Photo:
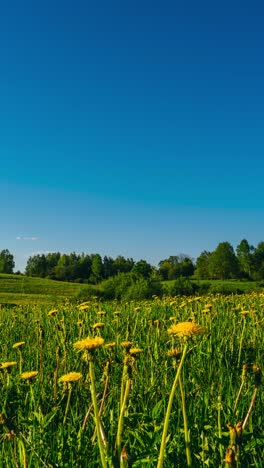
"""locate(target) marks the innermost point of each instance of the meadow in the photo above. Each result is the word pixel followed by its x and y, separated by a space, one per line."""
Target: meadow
pixel 172 382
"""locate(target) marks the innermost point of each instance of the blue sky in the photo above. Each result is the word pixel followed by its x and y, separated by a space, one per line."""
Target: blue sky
pixel 132 128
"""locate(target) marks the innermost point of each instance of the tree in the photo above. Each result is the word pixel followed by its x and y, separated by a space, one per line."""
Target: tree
pixel 142 268
pixel 223 263
pixel 245 258
pixel 202 265
pixel 258 262
pixel 36 266
pixel 7 263
pixel 96 269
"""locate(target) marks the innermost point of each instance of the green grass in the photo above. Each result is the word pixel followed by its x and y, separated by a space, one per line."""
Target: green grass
pixel 245 286
pixel 19 289
pixel 38 428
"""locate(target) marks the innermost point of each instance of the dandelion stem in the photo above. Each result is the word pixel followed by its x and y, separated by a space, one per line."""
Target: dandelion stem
pixel 121 416
pixel 185 422
pixel 102 449
pixel 67 404
pixel 167 416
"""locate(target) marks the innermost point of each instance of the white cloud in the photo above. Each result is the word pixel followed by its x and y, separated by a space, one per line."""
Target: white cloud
pixel 27 238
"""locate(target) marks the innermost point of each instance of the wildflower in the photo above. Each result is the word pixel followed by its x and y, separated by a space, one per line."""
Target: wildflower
pixel 80 322
pixel 89 344
pixel 17 345
pixel 126 344
pixel 101 312
pixel 185 329
pixel 52 312
pixel 230 456
pixel 70 377
pixel 175 352
pixel 136 309
pixel 28 375
pixel 83 307
pixel 109 345
pixel 117 312
pixel 244 312
pixel 98 325
pixel 6 365
pixel 134 351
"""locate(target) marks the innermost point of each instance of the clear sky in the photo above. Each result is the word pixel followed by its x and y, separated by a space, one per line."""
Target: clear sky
pixel 131 128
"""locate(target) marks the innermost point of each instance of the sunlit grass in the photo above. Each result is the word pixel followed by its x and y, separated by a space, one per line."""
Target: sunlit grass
pixel 107 403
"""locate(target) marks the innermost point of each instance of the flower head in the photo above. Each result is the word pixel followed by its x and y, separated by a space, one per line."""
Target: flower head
pixel 28 375
pixel 175 352
pixel 89 344
pixel 70 377
pixel 17 345
pixel 52 312
pixel 126 344
pixel 186 329
pixel 6 365
pixel 134 351
pixel 98 325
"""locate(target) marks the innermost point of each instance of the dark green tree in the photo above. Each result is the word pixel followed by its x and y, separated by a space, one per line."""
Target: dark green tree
pixel 7 263
pixel 244 253
pixel 142 268
pixel 36 266
pixel 202 265
pixel 223 263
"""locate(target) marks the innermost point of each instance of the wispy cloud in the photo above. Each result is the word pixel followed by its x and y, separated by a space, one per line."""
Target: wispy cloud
pixel 27 238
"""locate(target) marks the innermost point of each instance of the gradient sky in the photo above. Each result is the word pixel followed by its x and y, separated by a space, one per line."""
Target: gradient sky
pixel 132 128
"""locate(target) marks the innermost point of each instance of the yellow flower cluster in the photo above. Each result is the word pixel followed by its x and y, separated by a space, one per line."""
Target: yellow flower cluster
pixel 89 344
pixel 186 329
pixel 70 377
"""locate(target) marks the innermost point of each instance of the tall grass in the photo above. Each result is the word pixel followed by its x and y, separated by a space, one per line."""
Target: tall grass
pixel 44 423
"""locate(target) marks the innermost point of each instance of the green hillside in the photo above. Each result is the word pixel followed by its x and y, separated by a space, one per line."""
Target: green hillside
pixel 19 289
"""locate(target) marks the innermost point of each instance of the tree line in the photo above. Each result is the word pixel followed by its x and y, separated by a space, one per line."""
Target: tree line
pixel 225 262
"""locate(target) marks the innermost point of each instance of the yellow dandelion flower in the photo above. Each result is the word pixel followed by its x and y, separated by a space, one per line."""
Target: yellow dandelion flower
pixel 175 352
pixel 172 319
pixel 244 312
pixel 110 345
pixel 80 322
pixel 136 309
pixel 117 312
pixel 134 351
pixel 70 377
pixel 28 375
pixel 83 307
pixel 98 325
pixel 53 312
pixel 6 365
pixel 83 304
pixel 89 344
pixel 126 344
pixel 186 329
pixel 17 345
pixel 101 312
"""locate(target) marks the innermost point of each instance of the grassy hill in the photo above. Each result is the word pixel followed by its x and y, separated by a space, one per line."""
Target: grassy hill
pixel 19 289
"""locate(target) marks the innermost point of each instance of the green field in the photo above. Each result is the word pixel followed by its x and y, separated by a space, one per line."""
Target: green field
pixel 212 379
pixel 19 289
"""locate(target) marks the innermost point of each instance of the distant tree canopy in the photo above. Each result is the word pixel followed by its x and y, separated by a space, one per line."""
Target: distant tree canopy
pixel 7 263
pixel 246 261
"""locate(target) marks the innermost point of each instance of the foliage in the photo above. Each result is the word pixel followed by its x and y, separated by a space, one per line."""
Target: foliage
pixel 7 263
pixel 45 422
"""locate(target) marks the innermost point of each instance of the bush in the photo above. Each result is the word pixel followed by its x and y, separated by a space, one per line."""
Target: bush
pixel 183 286
pixel 87 293
pixel 225 289
pixel 130 286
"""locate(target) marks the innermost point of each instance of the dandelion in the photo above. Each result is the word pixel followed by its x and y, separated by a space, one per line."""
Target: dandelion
pixel 19 344
pixel 117 312
pixel 83 307
pixel 136 309
pixel 101 312
pixel 89 344
pixel 186 329
pixel 28 375
pixel 175 352
pixel 7 365
pixel 98 325
pixel 52 312
pixel 135 351
pixel 70 377
pixel 126 344
pixel 110 345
